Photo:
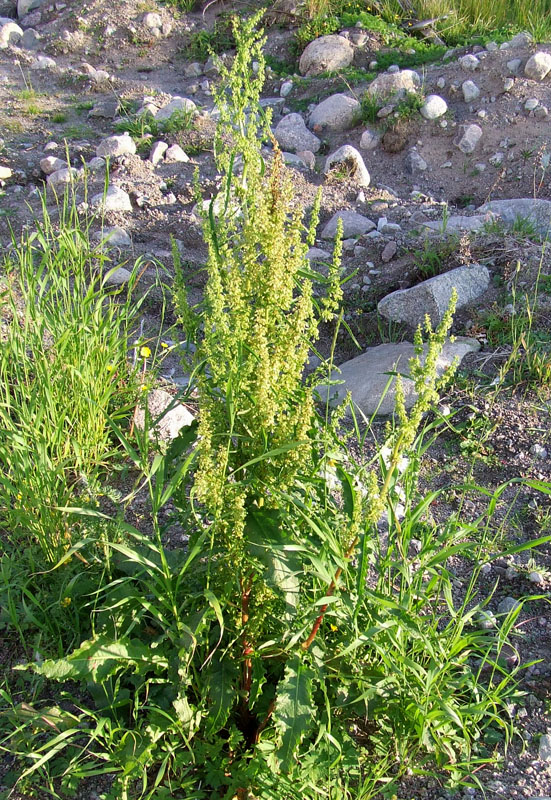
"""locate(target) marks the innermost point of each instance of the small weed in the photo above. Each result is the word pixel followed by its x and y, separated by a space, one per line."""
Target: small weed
pixel 431 259
pixel 204 43
pixel 85 105
pixel 525 227
pixel 59 117
pixel 409 105
pixel 145 125
pixel 370 106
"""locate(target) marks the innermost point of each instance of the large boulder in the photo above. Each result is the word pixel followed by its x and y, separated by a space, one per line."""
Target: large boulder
pixel 350 161
pixel 353 224
pixel 366 377
pixel 336 113
pixel 293 135
pixel 433 296
pixel 326 54
pixel 394 83
pixel 537 211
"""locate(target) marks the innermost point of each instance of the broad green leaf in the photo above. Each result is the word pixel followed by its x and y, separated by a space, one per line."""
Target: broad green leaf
pixel 223 678
pixel 188 716
pixel 293 709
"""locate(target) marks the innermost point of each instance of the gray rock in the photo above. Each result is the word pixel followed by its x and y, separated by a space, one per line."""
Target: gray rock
pixel 326 54
pixel 10 33
pixel 316 254
pixel 470 91
pixel 353 224
pixel 398 83
pixel 531 104
pixel 486 620
pixel 115 236
pixel 193 70
pixel 157 152
pixel 286 88
pixel 537 211
pixel 457 223
pixel 52 164
pixel 106 108
pixel 152 20
pixel 433 107
pixel 43 62
pixel 367 376
pixel 514 65
pixel 293 135
pixel 336 113
pixel 61 177
pixel 30 39
pixel 116 199
pixel 469 63
pixel 177 105
pixel 350 159
pixel 507 605
pixel 118 277
pixel 96 164
pixel 538 451
pixel 389 251
pixel 538 66
pixel 167 424
pixel 24 6
pixel 307 158
pixel 176 154
pixel 535 577
pixel 468 138
pixel 544 751
pixel 414 162
pixel 370 139
pixel 522 39
pixel 432 296
pixel 116 146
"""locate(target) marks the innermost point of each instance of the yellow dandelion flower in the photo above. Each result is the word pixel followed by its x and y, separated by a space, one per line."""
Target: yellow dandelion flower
pixel 65 602
pixel 145 352
pixel 334 628
pixel 164 345
pixel 19 497
pixel 143 388
pixel 110 367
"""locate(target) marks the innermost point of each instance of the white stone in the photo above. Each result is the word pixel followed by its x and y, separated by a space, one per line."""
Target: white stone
pixel 116 146
pixel 349 158
pixel 326 54
pixel 176 154
pixel 152 20
pixel 293 135
pixel 177 105
pixel 353 224
pixel 538 66
pixel 491 47
pixel 367 376
pixel 157 152
pixel 497 159
pixel 10 33
pixel 167 424
pixel 336 113
pixel 193 70
pixel 286 88
pixel 43 62
pixel 61 177
pixel 52 164
pixel 469 63
pixel 399 83
pixel 370 139
pixel 470 91
pixel 468 138
pixel 433 107
pixel 433 296
pixel 116 199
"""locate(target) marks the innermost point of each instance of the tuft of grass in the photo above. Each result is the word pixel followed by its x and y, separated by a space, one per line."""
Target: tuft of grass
pixel 144 126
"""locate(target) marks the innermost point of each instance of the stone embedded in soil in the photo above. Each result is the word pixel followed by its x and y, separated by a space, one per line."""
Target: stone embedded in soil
pixel 30 39
pixel 535 577
pixel 317 254
pixel 538 66
pixel 469 63
pixel 507 605
pixel 366 376
pixel 336 113
pixel 544 751
pixel 469 137
pixel 52 164
pixel 433 107
pixel 348 158
pixel 537 211
pixel 370 139
pixel 514 65
pixel 486 620
pixel 293 135
pixel 167 424
pixel 10 33
pixel 61 177
pixel 152 20
pixel 470 91
pixel 394 84
pixel 458 222
pixel 118 277
pixel 414 162
pixel 24 6
pixel 157 152
pixel 115 199
pixel 353 224
pixel 176 105
pixel 433 296
pixel 326 54
pixel 389 251
pixel 115 236
pixel 176 154
pixel 43 62
pixel 538 451
pixel 116 146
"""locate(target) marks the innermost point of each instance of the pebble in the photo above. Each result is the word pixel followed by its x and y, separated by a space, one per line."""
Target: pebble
pixel 535 577
pixel 433 107
pixel 470 135
pixel 116 146
pixel 538 451
pixel 157 152
pixel 175 153
pixel 544 751
pixel 538 66
pixel 469 63
pixel 116 199
pixel 470 91
pixel 507 605
pixel 389 252
pixel 531 104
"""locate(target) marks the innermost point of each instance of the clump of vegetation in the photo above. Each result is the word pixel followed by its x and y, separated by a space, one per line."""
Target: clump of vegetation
pixel 145 126
pixel 203 44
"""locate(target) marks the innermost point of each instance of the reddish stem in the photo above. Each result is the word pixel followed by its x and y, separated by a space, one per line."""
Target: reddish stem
pixel 330 590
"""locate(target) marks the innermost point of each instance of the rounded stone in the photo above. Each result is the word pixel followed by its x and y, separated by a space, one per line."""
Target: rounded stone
pixel 433 107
